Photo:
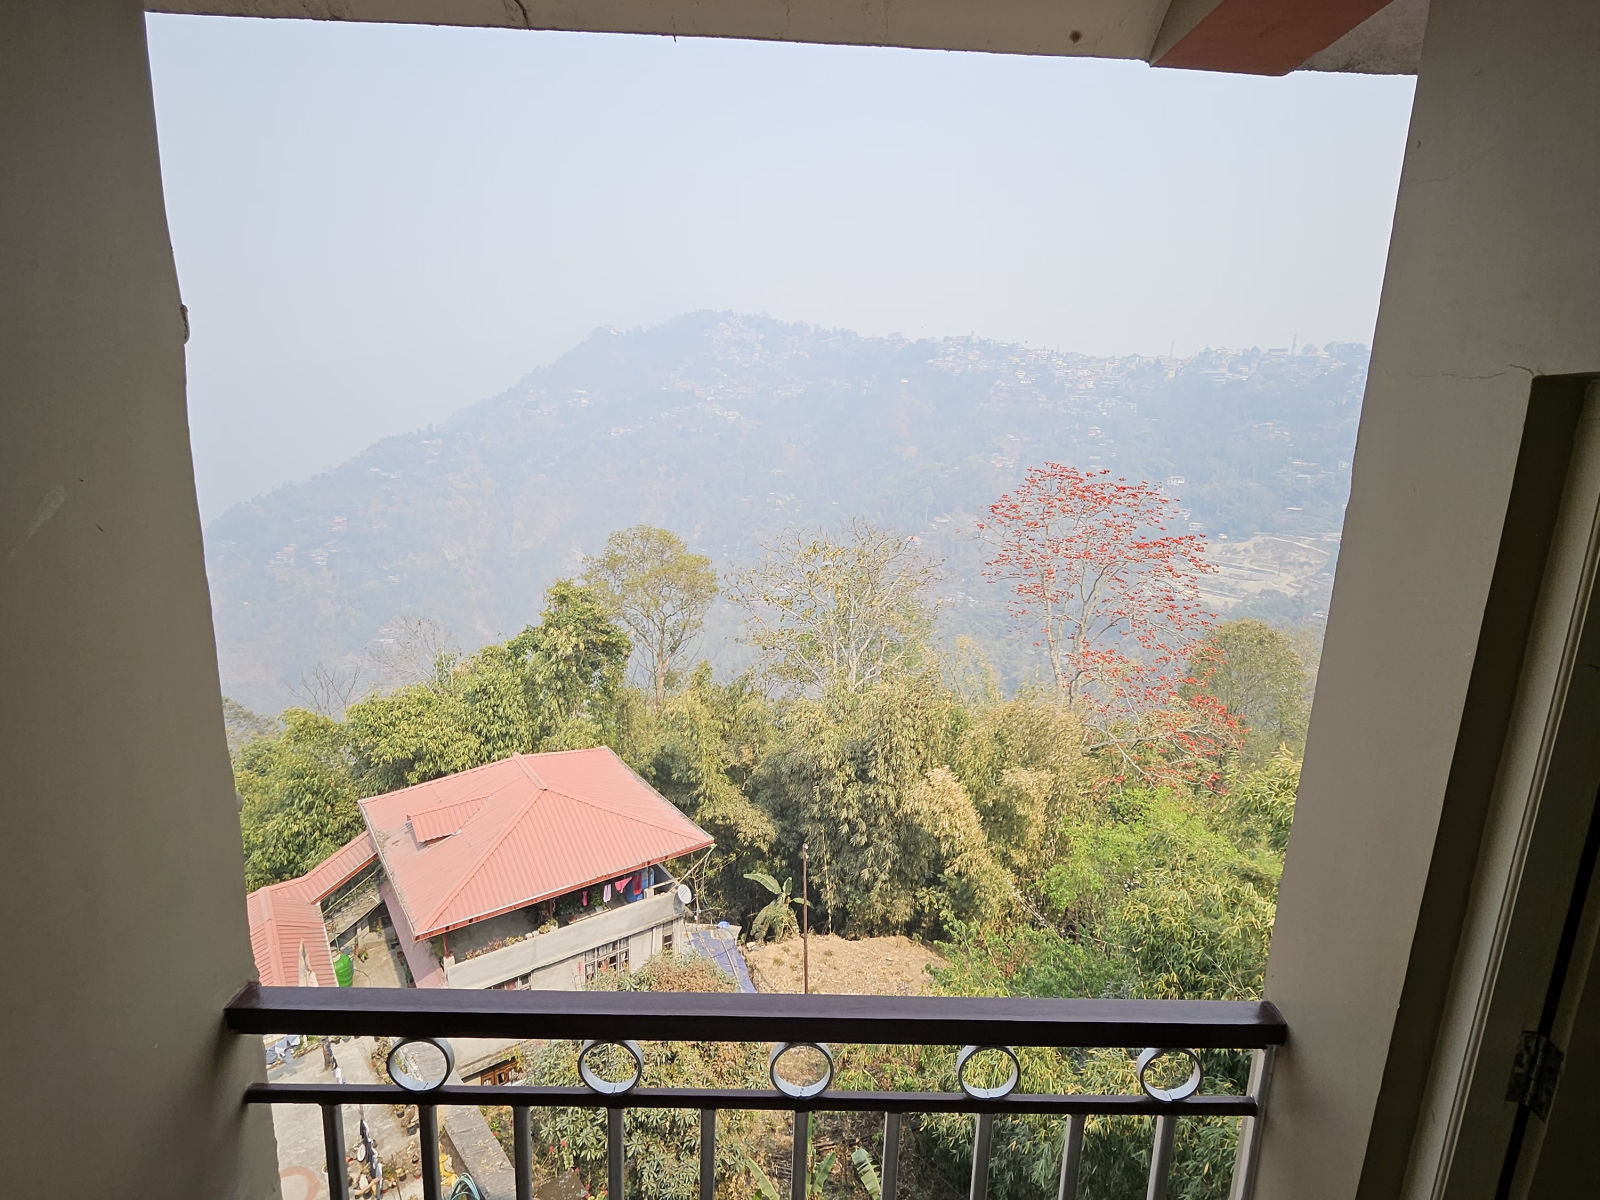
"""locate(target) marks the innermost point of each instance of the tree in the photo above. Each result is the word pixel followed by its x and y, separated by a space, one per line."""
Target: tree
pixel 328 688
pixel 777 917
pixel 412 649
pixel 1115 598
pixel 840 612
pixel 572 664
pixel 244 726
pixel 299 791
pixel 1254 670
pixel 699 750
pixel 658 590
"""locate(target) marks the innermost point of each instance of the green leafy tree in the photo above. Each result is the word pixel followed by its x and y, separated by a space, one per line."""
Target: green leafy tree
pixel 896 845
pixel 572 665
pixel 299 791
pixel 839 612
pixel 699 751
pixel 1255 671
pixel 659 591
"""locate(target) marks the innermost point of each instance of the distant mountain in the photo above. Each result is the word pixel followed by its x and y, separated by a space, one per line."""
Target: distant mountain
pixel 726 428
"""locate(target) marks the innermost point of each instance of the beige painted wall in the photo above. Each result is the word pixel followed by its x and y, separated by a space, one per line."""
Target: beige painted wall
pixel 122 883
pixel 1493 278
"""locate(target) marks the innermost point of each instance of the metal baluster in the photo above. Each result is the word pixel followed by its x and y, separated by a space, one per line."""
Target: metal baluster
pixel 1244 1163
pixel 708 1154
pixel 428 1132
pixel 1161 1158
pixel 616 1185
pixel 333 1148
pixel 891 1156
pixel 1071 1159
pixel 797 1176
pixel 522 1150
pixel 982 1136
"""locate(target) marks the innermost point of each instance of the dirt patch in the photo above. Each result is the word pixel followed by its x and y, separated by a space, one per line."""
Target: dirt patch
pixel 885 966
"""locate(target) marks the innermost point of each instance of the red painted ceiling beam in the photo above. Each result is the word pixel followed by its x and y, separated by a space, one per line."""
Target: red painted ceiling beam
pixel 1265 37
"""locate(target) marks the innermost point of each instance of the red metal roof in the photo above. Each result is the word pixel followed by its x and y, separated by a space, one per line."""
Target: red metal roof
pixel 287 937
pixel 338 869
pixel 544 825
pixel 435 823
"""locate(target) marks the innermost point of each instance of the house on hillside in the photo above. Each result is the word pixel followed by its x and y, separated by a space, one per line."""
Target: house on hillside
pixel 537 871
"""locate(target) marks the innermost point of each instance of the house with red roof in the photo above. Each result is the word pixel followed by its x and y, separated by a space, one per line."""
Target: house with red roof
pixel 537 871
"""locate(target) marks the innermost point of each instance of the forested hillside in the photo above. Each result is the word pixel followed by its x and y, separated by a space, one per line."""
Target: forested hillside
pixel 729 429
pixel 1117 832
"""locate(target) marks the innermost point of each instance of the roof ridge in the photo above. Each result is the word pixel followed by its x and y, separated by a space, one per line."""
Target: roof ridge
pixel 522 761
pixel 472 870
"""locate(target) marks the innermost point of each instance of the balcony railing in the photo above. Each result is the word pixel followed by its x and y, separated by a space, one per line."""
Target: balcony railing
pixel 785 1021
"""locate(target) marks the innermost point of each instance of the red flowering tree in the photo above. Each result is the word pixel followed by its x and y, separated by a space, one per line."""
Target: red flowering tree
pixel 1114 595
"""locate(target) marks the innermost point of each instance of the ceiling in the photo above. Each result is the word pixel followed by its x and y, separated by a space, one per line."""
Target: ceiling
pixel 1262 37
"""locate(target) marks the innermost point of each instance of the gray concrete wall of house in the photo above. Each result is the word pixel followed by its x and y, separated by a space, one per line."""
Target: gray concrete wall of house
pixel 122 851
pixel 1493 278
pixel 550 953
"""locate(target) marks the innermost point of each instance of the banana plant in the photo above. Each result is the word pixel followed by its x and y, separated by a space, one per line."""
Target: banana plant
pixel 766 1189
pixel 867 1172
pixel 778 916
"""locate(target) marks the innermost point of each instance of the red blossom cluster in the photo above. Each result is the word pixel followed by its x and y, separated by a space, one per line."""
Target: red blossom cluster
pixel 1114 593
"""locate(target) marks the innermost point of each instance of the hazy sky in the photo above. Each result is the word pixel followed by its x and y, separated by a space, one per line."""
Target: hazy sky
pixel 376 225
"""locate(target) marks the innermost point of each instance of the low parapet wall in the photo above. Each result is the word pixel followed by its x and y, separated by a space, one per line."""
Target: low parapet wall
pixel 560 945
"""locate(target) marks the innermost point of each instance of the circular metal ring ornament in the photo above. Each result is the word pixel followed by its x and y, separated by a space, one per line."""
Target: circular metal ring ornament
pixel 800 1091
pixel 415 1083
pixel 1184 1090
pixel 987 1093
pixel 610 1087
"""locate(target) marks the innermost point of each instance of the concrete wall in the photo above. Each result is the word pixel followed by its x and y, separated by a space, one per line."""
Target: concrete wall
pixel 549 953
pixel 1493 278
pixel 121 850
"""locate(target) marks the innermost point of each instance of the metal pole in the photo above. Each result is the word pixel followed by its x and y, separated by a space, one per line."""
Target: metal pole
pixel 982 1138
pixel 428 1132
pixel 1161 1158
pixel 805 916
pixel 708 1154
pixel 1071 1159
pixel 889 1181
pixel 616 1163
pixel 522 1150
pixel 333 1151
pixel 799 1168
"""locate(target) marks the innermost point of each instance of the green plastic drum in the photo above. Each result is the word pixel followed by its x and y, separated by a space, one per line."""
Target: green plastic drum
pixel 343 969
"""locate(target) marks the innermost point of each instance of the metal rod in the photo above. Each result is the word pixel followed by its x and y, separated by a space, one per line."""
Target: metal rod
pixel 428 1132
pixel 522 1150
pixel 797 1166
pixel 1161 1158
pixel 765 1017
pixel 891 1156
pixel 981 1137
pixel 616 1184
pixel 333 1148
pixel 805 917
pixel 1071 1158
pixel 757 1099
pixel 708 1154
pixel 1249 1152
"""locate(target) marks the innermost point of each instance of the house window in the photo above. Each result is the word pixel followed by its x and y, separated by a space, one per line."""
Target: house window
pixel 666 942
pixel 611 956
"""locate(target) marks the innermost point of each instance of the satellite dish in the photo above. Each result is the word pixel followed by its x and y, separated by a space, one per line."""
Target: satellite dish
pixel 684 894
